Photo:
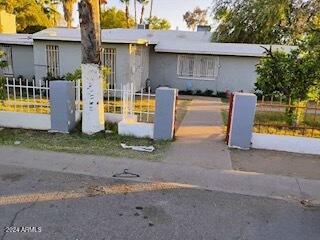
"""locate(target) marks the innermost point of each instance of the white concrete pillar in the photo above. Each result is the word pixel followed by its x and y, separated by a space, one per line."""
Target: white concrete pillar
pixel 92 97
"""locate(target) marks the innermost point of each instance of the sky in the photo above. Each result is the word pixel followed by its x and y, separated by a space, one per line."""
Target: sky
pixel 169 9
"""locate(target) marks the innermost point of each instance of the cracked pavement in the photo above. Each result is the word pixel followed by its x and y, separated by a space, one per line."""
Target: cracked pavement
pixel 74 206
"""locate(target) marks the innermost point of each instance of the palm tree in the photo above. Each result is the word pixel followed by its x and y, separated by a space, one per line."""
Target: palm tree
pixel 68 10
pixel 135 12
pixel 143 3
pixel 127 3
pixel 151 8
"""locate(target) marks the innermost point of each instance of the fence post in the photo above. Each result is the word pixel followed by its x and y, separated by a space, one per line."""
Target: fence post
pixel 242 119
pixel 165 113
pixel 62 103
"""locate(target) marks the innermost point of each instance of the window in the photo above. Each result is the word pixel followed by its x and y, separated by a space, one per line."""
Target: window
pixel 53 63
pixel 109 60
pixel 197 67
pixel 7 57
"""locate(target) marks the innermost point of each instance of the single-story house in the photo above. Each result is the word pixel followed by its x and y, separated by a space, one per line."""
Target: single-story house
pixel 178 59
pixel 18 53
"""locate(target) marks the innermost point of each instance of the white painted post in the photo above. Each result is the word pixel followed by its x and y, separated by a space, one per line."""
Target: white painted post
pixel 92 96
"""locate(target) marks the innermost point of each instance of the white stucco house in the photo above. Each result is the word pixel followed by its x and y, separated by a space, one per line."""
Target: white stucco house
pixel 18 49
pixel 178 59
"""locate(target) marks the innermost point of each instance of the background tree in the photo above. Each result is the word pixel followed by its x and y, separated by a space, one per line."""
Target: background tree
pixel 31 15
pixel 287 74
pixel 264 21
pixel 127 3
pixel 143 4
pixel 159 23
pixel 115 18
pixel 3 64
pixel 293 75
pixel 68 11
pixel 311 46
pixel 197 17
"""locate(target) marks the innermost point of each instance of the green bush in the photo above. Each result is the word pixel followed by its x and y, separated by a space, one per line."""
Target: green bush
pixel 2 88
pixel 208 93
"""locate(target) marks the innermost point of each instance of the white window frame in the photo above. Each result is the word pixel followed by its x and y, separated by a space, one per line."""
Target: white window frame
pixel 53 60
pixel 198 67
pixel 8 70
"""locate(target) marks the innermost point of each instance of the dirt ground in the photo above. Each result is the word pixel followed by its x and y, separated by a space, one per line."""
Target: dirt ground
pixel 277 163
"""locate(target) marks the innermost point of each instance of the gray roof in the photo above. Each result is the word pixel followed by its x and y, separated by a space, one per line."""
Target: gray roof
pixel 229 49
pixel 119 35
pixel 16 39
pixel 165 41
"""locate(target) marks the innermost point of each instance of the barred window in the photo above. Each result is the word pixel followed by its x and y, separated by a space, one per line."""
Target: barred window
pixel 109 60
pixel 197 67
pixel 53 63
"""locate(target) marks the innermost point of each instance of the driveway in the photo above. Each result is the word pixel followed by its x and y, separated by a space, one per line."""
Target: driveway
pixel 74 206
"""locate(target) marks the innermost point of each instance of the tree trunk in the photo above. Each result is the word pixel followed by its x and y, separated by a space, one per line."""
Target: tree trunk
pixel 89 14
pixel 142 13
pixel 151 8
pixel 69 24
pixel 135 12
pixel 92 90
pixel 127 16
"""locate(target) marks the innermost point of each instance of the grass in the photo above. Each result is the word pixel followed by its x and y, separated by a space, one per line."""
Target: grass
pixel 277 123
pixel 224 114
pixel 112 106
pixel 279 118
pixel 182 108
pixel 143 104
pixel 76 142
pixel 22 105
pixel 107 144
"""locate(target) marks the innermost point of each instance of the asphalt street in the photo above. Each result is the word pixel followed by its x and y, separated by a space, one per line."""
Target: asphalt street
pixel 73 206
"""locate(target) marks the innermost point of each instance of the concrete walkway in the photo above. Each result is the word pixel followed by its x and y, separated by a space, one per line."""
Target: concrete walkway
pixel 200 137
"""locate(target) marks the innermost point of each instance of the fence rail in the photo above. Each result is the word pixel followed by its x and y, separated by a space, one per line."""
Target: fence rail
pixel 141 103
pixel 297 118
pixel 30 96
pixel 26 96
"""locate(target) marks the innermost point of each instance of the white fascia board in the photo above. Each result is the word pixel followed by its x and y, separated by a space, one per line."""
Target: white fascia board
pixel 207 52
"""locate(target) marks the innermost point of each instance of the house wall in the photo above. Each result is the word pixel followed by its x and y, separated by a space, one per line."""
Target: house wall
pixel 235 74
pixel 22 61
pixel 122 62
pixel 69 57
